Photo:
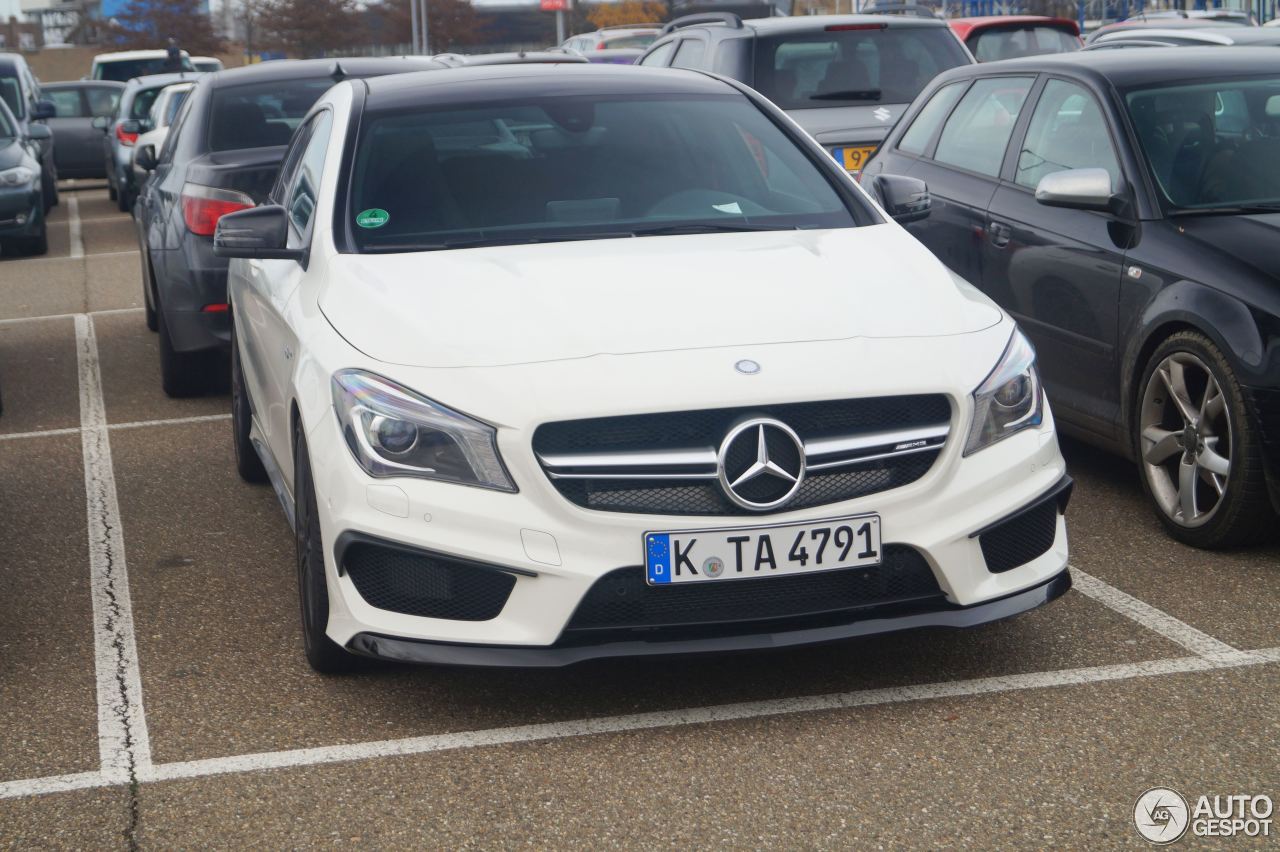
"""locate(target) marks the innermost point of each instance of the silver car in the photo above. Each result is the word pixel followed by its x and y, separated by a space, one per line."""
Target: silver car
pixel 123 127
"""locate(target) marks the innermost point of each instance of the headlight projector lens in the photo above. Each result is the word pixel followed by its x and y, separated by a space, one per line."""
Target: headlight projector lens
pixel 395 436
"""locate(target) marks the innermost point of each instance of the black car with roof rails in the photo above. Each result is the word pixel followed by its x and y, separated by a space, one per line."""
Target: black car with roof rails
pixel 222 154
pixel 844 78
pixel 1124 206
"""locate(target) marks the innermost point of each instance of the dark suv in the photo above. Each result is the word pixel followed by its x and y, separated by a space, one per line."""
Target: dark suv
pixel 1124 206
pixel 844 78
pixel 21 93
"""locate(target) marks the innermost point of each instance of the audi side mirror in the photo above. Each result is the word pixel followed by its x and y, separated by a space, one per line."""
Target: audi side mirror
pixel 1077 189
pixel 260 233
pixel 39 133
pixel 145 157
pixel 44 110
pixel 905 199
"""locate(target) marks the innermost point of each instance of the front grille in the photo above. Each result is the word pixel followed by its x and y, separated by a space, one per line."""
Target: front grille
pixel 707 429
pixel 426 585
pixel 1021 539
pixel 622 601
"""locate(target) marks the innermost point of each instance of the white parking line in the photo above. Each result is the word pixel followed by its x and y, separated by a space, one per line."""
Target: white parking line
pixel 1158 621
pixel 44 317
pixel 123 743
pixel 132 424
pixel 73 225
pixel 644 721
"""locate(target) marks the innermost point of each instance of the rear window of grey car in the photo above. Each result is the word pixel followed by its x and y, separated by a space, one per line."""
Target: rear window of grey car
pixel 853 64
pixel 1013 42
pixel 576 167
pixel 263 114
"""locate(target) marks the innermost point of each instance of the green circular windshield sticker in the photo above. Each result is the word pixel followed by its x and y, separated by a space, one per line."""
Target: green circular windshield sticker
pixel 374 217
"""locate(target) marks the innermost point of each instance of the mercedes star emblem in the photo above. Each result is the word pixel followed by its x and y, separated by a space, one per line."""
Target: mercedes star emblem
pixel 761 464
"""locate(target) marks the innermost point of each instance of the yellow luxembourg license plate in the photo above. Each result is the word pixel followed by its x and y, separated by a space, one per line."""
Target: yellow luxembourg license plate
pixel 853 157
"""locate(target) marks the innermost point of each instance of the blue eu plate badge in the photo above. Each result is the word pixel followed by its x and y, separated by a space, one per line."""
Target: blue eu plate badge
pixel 658 557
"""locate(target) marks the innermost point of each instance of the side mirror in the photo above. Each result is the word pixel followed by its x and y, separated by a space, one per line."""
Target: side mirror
pixel 1079 189
pixel 39 133
pixel 101 122
pixel 43 110
pixel 145 157
pixel 260 232
pixel 905 199
pixel 132 125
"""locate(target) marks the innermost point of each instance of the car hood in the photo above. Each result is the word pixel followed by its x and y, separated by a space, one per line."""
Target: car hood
pixel 11 153
pixel 834 125
pixel 489 307
pixel 1250 240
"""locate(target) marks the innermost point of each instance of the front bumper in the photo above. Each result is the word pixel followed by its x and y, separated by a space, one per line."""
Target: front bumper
pixel 947 615
pixel 559 551
pixel 21 211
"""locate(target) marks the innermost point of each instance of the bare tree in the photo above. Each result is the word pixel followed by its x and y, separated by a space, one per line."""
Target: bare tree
pixel 308 28
pixel 450 23
pixel 151 23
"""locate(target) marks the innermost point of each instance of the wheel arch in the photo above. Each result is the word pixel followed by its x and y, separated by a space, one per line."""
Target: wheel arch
pixel 1188 306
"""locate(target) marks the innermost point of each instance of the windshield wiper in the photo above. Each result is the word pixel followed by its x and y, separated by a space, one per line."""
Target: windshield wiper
pixel 708 228
pixel 848 95
pixel 1232 210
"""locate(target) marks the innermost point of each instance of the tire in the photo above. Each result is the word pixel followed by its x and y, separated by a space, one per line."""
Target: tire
pixel 182 374
pixel 1199 452
pixel 248 463
pixel 323 654
pixel 148 291
pixel 111 190
pixel 36 245
pixel 123 202
pixel 49 187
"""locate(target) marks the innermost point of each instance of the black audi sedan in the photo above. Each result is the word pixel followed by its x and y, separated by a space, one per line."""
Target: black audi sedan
pixel 1124 207
pixel 223 154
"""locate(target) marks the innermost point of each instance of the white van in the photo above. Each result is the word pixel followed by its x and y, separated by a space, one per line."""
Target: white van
pixel 127 64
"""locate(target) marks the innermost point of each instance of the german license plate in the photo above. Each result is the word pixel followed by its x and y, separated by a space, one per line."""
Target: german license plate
pixel 853 157
pixel 693 556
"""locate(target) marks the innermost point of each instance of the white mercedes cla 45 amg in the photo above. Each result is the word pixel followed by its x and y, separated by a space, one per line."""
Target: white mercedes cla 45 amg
pixel 549 363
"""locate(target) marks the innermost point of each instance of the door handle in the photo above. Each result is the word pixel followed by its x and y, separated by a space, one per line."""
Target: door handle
pixel 999 233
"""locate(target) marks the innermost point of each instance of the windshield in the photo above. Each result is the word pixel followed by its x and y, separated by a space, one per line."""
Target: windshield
pixel 1214 144
pixel 262 115
pixel 171 109
pixel 633 40
pixel 853 64
pixel 996 43
pixel 123 70
pixel 12 95
pixel 7 130
pixel 581 167
pixel 143 100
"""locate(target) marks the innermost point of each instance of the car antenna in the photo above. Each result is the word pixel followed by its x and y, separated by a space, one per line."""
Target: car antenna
pixel 337 73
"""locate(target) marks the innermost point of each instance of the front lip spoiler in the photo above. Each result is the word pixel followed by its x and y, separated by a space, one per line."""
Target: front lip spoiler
pixel 442 653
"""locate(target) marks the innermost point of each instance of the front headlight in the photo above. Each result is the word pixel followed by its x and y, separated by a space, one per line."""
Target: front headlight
pixel 16 176
pixel 393 431
pixel 1009 399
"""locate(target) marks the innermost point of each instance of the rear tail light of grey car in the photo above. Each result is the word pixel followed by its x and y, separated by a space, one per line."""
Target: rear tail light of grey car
pixel 203 206
pixel 1010 399
pixel 393 431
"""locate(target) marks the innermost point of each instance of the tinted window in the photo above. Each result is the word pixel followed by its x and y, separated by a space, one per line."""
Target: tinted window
pixel 927 121
pixel 102 101
pixel 578 166
pixel 978 130
pixel 143 100
pixel 660 54
pixel 262 115
pixel 1012 42
pixel 175 103
pixel 1212 144
pixel 861 67
pixel 1067 131
pixel 640 40
pixel 689 54
pixel 123 71
pixel 306 182
pixel 66 102
pixel 11 94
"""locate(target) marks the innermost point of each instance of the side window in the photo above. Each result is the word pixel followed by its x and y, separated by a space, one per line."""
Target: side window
pixel 689 53
pixel 102 101
pixel 927 121
pixel 304 190
pixel 67 103
pixel 292 157
pixel 660 54
pixel 175 132
pixel 1067 131
pixel 977 133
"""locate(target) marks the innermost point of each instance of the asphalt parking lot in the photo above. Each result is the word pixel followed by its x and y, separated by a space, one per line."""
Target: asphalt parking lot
pixel 153 691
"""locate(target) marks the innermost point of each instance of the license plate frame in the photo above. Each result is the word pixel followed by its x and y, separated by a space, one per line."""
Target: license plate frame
pixel 742 554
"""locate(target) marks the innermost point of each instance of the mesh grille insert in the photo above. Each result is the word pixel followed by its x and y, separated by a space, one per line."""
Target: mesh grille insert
pixel 1018 541
pixel 622 599
pixel 426 585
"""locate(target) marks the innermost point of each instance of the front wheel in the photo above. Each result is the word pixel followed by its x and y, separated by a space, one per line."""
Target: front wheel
pixel 323 654
pixel 1199 453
